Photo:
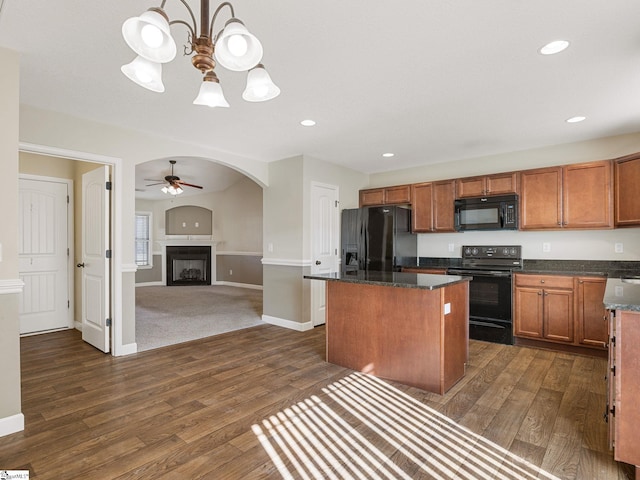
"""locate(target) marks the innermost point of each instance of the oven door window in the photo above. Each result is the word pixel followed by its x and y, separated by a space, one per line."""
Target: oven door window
pixel 490 297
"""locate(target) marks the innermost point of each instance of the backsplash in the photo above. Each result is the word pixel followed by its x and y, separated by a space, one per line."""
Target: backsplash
pixel 561 244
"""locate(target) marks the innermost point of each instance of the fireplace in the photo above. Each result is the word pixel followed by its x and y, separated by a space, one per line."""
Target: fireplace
pixel 188 265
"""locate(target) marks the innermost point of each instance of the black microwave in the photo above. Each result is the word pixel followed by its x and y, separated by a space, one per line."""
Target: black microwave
pixel 487 213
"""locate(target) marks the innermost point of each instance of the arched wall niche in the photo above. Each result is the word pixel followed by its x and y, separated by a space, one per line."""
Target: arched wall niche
pixel 189 220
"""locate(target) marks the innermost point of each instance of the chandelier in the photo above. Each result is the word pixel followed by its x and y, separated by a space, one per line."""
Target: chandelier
pixel 233 47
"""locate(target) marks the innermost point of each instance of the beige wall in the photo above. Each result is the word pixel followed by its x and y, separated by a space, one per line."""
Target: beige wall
pixel 287 211
pixel 11 418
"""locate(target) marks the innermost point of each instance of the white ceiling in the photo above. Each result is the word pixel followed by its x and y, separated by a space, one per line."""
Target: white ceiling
pixel 431 81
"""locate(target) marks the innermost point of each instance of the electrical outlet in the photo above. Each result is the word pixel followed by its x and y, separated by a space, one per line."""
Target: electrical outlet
pixel 230 272
pixel 270 247
pixel 451 247
pixel 546 247
pixel 619 248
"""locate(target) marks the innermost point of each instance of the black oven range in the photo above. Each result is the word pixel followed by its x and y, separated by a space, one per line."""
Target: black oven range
pixel 490 307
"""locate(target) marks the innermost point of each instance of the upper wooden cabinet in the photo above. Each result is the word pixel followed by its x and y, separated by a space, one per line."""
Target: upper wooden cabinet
pixel 497 184
pixel 627 179
pixel 572 196
pixel 433 206
pixel 397 195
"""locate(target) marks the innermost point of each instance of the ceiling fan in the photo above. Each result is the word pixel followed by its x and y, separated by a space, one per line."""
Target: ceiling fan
pixel 173 184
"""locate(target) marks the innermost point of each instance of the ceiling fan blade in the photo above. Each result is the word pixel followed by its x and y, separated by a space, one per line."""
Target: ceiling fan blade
pixel 153 180
pixel 188 184
pixel 152 184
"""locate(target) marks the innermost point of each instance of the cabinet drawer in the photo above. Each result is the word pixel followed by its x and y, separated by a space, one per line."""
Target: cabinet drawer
pixel 542 281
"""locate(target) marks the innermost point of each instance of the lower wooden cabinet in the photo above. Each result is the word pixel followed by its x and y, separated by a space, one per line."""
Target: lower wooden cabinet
pixel 591 318
pixel 560 309
pixel 543 307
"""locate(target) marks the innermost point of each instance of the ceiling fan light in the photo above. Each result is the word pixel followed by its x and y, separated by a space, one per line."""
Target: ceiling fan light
pixel 260 87
pixel 149 36
pixel 164 189
pixel 236 49
pixel 210 93
pixel 145 73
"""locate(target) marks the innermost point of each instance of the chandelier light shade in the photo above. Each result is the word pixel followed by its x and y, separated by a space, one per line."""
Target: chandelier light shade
pixel 260 87
pixel 149 36
pixel 233 47
pixel 145 73
pixel 210 92
pixel 236 48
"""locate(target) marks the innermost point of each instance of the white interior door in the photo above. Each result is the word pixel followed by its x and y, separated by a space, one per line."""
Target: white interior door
pixel 95 261
pixel 43 255
pixel 325 243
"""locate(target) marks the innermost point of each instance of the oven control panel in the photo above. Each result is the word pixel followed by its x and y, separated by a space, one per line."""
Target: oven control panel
pixel 493 251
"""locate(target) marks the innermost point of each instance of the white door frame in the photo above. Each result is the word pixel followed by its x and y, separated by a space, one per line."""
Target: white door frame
pixel 117 270
pixel 70 237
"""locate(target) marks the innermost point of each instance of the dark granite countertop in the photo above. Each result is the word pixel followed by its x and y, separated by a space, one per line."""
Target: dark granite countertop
pixel 393 279
pixel 608 268
pixel 622 295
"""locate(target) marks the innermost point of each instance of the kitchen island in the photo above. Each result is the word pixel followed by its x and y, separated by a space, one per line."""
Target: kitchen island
pixel 622 300
pixel 408 327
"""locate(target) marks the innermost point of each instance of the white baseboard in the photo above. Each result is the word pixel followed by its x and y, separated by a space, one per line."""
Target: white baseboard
pixel 77 326
pixel 281 322
pixel 241 285
pixel 150 284
pixel 127 349
pixel 12 424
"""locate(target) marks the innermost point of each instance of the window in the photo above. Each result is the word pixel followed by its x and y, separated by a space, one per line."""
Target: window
pixel 144 257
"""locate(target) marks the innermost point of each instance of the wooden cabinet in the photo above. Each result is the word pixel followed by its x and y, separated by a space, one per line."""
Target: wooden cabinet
pixel 591 320
pixel 431 270
pixel 573 196
pixel 433 206
pixel 497 184
pixel 397 195
pixel 627 200
pixel 623 408
pixel 543 307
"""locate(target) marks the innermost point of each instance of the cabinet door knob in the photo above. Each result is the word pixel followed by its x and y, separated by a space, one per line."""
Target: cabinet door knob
pixel 541 281
pixel 318 262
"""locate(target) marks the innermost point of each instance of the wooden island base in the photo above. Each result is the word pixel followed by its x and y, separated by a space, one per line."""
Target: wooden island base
pixel 418 337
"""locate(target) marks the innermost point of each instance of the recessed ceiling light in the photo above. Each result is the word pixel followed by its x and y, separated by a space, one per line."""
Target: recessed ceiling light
pixel 307 123
pixel 387 155
pixel 554 47
pixel 576 119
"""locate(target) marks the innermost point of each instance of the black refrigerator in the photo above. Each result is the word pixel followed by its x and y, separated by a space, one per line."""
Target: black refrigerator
pixel 377 238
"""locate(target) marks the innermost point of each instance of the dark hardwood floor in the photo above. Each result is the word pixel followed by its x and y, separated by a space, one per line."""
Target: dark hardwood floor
pixel 262 403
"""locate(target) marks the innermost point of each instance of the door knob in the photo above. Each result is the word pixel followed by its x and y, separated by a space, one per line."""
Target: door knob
pixel 318 262
pixel 80 265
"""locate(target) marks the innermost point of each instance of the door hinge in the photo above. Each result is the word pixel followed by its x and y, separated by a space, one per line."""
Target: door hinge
pixel 613 411
pixel 109 185
pixel 68 305
pixel 613 370
pixel 613 340
pixel 337 202
pixel 67 198
pixel 67 251
pixel 108 254
pixel 108 323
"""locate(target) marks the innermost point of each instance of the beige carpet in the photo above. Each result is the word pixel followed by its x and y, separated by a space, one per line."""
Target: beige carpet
pixel 170 315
